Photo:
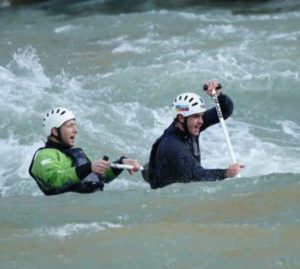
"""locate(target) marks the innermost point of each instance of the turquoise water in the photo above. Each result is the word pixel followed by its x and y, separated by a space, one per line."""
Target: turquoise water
pixel 118 65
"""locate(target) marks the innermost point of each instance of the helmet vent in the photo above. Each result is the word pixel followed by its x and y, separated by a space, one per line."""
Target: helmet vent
pixel 195 104
pixel 185 97
pixel 180 97
pixel 62 112
pixel 191 99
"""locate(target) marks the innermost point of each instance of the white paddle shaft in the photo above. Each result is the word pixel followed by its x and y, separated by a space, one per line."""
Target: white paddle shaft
pixel 123 166
pixel 222 121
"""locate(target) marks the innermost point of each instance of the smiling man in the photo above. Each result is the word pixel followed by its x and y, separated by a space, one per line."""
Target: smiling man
pixel 175 156
pixel 61 167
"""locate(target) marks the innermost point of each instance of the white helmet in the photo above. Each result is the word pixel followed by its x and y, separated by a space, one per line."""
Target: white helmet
pixel 56 118
pixel 187 104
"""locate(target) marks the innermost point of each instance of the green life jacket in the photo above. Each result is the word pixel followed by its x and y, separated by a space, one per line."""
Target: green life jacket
pixel 91 183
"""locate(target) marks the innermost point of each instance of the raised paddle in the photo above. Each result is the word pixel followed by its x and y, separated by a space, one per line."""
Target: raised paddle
pixel 222 121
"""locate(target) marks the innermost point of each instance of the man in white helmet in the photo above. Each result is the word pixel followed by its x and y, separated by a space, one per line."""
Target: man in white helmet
pixel 175 156
pixel 60 167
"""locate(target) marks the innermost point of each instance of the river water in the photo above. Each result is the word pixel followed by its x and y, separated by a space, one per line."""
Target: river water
pixel 118 65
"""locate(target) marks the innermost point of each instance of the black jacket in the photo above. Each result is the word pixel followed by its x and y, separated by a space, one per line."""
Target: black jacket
pixel 175 156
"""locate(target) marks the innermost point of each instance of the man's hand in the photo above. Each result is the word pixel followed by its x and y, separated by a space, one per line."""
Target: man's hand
pixel 234 169
pixel 211 85
pixel 136 165
pixel 99 167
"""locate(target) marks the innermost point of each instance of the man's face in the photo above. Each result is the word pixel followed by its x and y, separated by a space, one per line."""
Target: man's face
pixel 68 132
pixel 194 123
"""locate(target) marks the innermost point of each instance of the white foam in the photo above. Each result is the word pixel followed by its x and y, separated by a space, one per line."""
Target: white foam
pixel 6 76
pixel 211 190
pixel 128 47
pixel 65 28
pixel 290 128
pixel 13 168
pixel 191 16
pixel 22 84
pixel 260 156
pixel 71 229
pixel 125 184
pixel 286 36
pixel 26 60
pixel 113 41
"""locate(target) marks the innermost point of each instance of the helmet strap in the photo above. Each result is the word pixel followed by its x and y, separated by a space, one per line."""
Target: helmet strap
pixel 183 124
pixel 58 136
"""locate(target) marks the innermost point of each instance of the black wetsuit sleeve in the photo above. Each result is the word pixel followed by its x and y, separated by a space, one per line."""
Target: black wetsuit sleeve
pixel 117 171
pixel 210 116
pixel 83 170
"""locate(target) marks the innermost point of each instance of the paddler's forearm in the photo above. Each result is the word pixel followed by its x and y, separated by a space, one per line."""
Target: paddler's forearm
pixel 83 170
pixel 226 105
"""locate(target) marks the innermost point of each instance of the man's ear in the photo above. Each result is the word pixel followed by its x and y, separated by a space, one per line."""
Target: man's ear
pixel 180 118
pixel 54 132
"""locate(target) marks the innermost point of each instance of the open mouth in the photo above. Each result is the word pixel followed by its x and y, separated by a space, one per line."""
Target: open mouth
pixel 197 129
